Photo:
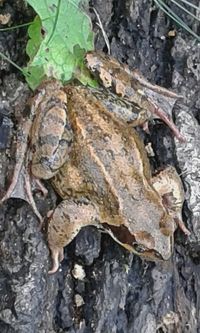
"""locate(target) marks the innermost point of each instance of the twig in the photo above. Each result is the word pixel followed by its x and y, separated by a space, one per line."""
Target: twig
pixel 102 30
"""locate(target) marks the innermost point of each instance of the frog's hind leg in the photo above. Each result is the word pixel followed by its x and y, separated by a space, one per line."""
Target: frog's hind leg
pixel 168 184
pixel 29 197
pixel 151 102
pixel 138 77
pixel 22 189
pixel 21 149
pixel 148 104
pixel 20 186
pixel 65 223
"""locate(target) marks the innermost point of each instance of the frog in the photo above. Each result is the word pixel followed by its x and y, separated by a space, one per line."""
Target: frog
pixel 131 85
pixel 108 183
pixel 99 167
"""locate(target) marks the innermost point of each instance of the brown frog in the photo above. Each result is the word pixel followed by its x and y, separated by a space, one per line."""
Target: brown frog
pixel 99 166
pixel 103 174
pixel 132 86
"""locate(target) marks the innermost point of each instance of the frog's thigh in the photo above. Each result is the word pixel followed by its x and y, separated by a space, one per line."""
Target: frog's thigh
pixel 65 223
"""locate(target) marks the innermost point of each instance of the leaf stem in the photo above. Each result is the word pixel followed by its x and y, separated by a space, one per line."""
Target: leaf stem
pixel 55 22
pixel 17 26
pixel 11 62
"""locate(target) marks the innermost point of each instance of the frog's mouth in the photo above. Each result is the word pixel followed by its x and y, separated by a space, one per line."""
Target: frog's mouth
pixel 141 243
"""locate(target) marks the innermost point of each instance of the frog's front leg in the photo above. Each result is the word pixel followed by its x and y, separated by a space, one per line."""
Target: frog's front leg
pixel 65 223
pixel 168 184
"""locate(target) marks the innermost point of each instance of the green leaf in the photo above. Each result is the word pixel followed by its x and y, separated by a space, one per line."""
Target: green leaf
pixel 34 76
pixel 67 35
pixel 35 35
pixel 82 74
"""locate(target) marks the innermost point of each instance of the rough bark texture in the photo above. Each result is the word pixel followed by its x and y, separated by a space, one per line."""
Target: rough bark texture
pixel 100 286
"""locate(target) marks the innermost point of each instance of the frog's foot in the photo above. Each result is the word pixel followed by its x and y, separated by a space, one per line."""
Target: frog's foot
pixel 20 187
pixel 21 156
pixel 173 208
pixel 181 225
pixel 65 223
pixel 17 183
pixel 57 256
pixel 168 184
pixel 154 109
pixel 39 186
pixel 31 200
pixel 145 127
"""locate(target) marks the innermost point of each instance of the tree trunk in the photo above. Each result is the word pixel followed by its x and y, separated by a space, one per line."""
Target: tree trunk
pixel 100 287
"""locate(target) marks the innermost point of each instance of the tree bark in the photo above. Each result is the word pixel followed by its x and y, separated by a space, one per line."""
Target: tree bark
pixel 100 287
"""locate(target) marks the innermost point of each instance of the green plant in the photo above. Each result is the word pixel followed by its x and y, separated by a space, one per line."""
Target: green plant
pixel 59 36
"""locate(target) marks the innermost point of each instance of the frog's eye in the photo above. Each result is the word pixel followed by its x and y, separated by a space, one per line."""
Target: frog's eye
pixel 158 255
pixel 139 248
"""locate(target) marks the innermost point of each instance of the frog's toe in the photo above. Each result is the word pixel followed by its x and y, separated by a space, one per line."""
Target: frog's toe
pixel 20 187
pixel 158 112
pixel 61 255
pixel 178 220
pixel 57 256
pixel 40 187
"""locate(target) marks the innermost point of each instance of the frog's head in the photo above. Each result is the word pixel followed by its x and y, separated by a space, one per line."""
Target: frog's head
pixel 161 248
pixel 152 245
pixel 156 244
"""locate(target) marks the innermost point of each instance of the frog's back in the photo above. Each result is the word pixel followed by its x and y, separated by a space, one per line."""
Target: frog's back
pixel 108 163
pixel 103 137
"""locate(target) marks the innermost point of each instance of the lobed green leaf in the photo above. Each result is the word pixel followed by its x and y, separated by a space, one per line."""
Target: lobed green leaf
pixel 59 38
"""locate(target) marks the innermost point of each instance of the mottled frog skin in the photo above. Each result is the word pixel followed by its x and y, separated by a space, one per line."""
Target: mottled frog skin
pixel 98 165
pixel 102 172
pixel 132 86
pixel 51 133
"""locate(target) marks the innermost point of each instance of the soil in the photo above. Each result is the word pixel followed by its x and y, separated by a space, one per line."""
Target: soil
pixel 100 287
